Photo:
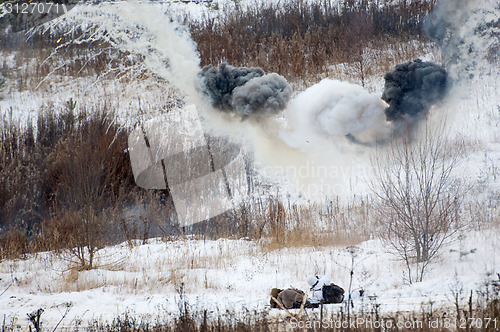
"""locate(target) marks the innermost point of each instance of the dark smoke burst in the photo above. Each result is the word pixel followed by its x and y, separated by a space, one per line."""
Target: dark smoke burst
pixel 412 88
pixel 219 82
pixel 245 91
pixel 263 95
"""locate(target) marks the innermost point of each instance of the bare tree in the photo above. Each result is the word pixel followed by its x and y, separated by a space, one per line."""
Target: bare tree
pixel 359 33
pixel 419 196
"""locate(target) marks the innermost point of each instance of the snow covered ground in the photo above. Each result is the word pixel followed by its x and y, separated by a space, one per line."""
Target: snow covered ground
pixel 142 280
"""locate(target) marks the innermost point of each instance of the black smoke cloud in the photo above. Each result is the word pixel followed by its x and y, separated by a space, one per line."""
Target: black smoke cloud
pixel 412 88
pixel 267 94
pixel 245 91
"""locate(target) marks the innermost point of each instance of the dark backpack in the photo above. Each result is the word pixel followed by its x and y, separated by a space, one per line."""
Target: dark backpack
pixel 274 293
pixel 333 294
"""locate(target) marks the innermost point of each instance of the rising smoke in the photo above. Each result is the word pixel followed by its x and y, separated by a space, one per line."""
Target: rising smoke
pixel 331 110
pixel 412 88
pixel 467 32
pixel 143 33
pixel 323 114
pixel 267 94
pixel 245 91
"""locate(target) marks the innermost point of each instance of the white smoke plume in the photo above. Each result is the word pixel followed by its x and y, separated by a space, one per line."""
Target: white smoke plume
pixel 332 109
pixel 139 38
pixel 318 119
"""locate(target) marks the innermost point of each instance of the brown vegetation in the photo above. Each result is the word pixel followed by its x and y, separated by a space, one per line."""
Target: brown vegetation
pixel 61 180
pixel 300 41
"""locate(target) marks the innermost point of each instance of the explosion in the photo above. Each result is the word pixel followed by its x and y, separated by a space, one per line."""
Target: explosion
pixel 412 88
pixel 245 91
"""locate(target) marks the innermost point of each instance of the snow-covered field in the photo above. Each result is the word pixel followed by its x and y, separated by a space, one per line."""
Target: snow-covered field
pixel 145 280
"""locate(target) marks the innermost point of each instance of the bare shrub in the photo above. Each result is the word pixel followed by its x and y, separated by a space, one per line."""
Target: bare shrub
pixel 147 214
pixel 48 172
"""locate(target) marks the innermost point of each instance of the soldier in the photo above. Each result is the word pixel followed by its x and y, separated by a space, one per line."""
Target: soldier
pixel 317 283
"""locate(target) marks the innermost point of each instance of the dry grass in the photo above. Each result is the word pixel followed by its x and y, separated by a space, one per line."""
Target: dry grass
pixel 137 261
pixel 300 49
pixel 138 266
pixel 300 41
pixel 294 225
pixel 192 320
pixel 379 58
